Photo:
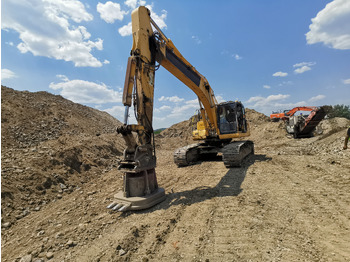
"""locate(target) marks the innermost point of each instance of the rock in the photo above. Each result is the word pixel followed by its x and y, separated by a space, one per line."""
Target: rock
pixel 26 258
pixel 49 255
pixel 41 232
pixel 70 243
pixel 59 234
pixel 122 252
pixel 6 225
pixel 19 216
pixel 63 186
pixel 39 260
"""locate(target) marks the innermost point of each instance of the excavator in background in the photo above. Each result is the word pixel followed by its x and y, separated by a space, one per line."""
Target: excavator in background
pixel 301 126
pixel 217 124
pixel 278 115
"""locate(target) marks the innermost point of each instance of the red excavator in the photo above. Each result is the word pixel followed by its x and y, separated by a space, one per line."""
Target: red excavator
pixel 303 125
pixel 278 115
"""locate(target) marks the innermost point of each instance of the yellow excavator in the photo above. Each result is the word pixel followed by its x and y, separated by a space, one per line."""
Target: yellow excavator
pixel 217 123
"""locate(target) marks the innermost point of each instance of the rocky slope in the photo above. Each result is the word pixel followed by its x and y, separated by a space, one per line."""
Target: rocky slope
pixel 50 146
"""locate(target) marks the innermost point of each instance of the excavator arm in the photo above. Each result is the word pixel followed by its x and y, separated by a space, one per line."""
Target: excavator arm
pixel 148 48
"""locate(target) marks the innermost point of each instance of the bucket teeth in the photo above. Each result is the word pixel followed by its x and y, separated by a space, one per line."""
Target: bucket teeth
pixel 117 207
pixel 112 205
pixel 124 208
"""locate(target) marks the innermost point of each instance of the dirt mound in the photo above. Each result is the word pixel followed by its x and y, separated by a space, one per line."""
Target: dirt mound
pixel 180 130
pixel 31 118
pixel 255 117
pixel 50 146
pixel 176 136
pixel 329 126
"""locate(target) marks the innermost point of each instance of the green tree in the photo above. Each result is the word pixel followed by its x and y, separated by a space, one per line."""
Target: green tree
pixel 338 111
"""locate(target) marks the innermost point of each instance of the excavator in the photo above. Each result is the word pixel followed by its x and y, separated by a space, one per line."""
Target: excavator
pixel 302 126
pixel 278 115
pixel 217 125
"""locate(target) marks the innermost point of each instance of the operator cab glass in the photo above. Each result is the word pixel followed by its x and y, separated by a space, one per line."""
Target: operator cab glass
pixel 231 118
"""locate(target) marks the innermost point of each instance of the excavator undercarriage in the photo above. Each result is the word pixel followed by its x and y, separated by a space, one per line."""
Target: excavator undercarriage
pixel 232 153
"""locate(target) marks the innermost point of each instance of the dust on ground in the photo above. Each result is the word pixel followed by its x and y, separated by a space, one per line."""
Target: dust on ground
pixel 289 202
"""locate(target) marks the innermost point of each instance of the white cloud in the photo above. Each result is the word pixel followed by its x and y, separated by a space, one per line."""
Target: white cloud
pixel 131 3
pixel 159 19
pixel 44 27
pixel 284 83
pixel 230 54
pixel 126 30
pixel 304 64
pixel 106 62
pixel 7 74
pixel 167 115
pixel 118 112
pixel 81 91
pixel 280 74
pixel 196 39
pixel 174 99
pixel 331 26
pixel 346 81
pixel 62 77
pixel 265 104
pixel 266 86
pixel 317 98
pixel 263 101
pixel 302 69
pixel 276 102
pixel 110 12
pixel 286 106
pixel 219 99
pixel 134 3
pixel 162 109
pixel 237 57
pixel 186 109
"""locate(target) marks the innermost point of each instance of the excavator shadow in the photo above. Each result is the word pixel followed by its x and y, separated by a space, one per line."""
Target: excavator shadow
pixel 229 185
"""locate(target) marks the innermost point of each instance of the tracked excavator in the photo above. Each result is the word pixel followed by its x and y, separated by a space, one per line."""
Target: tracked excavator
pixel 302 126
pixel 217 123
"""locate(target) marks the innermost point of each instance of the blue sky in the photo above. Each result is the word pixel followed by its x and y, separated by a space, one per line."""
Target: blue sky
pixel 271 55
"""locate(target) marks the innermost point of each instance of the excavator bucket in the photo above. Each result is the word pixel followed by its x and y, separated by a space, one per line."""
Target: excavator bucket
pixel 141 191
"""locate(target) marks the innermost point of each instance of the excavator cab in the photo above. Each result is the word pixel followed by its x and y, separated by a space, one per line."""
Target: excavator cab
pixel 231 118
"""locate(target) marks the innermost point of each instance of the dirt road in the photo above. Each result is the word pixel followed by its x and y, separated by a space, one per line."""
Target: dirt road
pixel 278 207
